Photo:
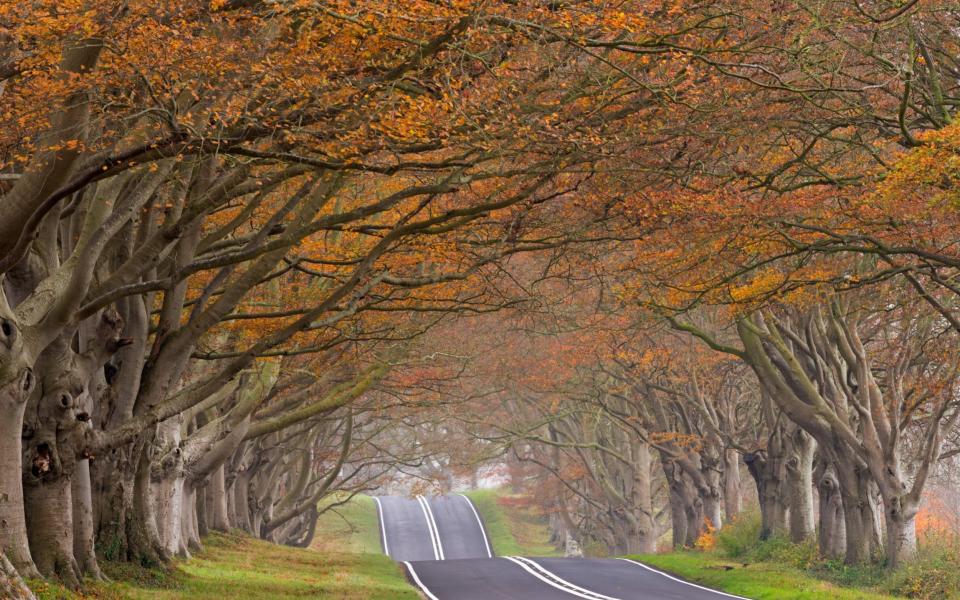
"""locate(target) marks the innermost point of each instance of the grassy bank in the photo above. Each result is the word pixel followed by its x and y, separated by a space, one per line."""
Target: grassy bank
pixel 351 527
pixel 513 528
pixel 759 581
pixel 343 564
pixel 736 561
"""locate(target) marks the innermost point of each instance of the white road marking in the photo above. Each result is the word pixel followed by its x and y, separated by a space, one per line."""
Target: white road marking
pixel 432 526
pixel 383 525
pixel 640 564
pixel 553 580
pixel 420 583
pixel 486 542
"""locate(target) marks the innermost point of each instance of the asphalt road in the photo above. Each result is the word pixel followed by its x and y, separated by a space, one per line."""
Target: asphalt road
pixel 404 530
pixel 442 543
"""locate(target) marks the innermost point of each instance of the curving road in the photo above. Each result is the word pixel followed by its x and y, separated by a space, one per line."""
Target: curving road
pixel 444 547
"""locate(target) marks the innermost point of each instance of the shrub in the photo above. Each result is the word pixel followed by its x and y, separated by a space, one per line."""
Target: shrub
pixel 707 540
pixel 740 535
pixel 934 574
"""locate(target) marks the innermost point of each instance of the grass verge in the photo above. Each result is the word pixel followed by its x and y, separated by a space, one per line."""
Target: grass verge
pixel 349 527
pixel 759 581
pixel 513 528
pixel 234 566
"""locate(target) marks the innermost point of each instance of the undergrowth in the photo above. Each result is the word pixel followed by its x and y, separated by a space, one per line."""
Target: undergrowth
pixel 933 575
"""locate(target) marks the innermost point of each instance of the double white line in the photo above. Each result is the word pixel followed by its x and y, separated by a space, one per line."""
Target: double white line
pixel 432 526
pixel 554 580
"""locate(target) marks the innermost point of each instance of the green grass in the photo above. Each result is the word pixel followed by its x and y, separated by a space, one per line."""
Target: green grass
pixel 351 527
pixel 344 563
pixel 759 581
pixel 513 529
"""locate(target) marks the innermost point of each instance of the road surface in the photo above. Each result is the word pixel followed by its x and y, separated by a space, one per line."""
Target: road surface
pixel 443 545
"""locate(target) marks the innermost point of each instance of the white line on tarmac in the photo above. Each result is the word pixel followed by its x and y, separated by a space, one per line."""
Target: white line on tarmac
pixel 420 583
pixel 383 525
pixel 486 542
pixel 640 564
pixel 555 581
pixel 432 526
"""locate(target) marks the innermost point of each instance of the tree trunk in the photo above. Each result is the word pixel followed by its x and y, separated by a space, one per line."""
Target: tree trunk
pixel 83 540
pixel 203 510
pixel 678 512
pixel 646 522
pixel 901 531
pixel 799 467
pixel 190 531
pixel 241 495
pixel 773 510
pixel 13 527
pixel 732 498
pixel 168 511
pixel 712 511
pixel 143 536
pixel 232 502
pixel 858 512
pixel 832 537
pixel 49 512
pixel 693 505
pixel 218 499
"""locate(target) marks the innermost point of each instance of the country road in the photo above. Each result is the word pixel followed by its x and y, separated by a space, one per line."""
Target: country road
pixel 443 545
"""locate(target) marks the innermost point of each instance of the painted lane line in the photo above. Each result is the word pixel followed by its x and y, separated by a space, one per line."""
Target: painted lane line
pixel 419 583
pixel 706 589
pixel 561 584
pixel 551 575
pixel 483 530
pixel 436 528
pixel 426 517
pixel 383 526
pixel 432 528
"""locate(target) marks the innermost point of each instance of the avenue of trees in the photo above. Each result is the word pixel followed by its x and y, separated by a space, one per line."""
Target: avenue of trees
pixel 257 252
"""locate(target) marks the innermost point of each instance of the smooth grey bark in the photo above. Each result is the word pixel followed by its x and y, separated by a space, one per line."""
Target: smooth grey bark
pixel 767 470
pixel 217 501
pixel 50 527
pixel 799 469
pixel 13 527
pixel 646 529
pixel 832 532
pixel 84 543
pixel 732 493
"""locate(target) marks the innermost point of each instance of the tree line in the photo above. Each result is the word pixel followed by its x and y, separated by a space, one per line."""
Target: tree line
pixel 226 229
